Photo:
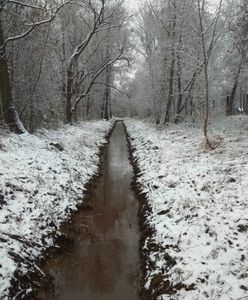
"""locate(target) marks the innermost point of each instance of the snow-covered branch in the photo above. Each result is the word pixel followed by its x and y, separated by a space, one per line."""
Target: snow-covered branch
pixel 34 25
pixel 94 78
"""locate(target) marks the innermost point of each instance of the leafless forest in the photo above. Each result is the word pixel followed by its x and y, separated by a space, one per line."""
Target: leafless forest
pixel 168 60
pixel 123 146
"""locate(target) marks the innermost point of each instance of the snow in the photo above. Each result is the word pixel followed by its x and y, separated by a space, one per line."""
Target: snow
pixel 199 207
pixel 40 186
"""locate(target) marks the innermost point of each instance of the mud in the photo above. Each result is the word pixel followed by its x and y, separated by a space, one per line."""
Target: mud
pixel 160 283
pixel 102 261
pixel 146 232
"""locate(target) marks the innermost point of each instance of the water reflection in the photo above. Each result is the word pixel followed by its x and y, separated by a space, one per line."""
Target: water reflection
pixel 103 262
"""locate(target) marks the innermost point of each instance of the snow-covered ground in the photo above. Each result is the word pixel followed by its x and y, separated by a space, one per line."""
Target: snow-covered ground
pixel 199 209
pixel 40 186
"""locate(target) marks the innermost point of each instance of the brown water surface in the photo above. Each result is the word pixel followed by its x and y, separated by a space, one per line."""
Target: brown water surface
pixel 103 263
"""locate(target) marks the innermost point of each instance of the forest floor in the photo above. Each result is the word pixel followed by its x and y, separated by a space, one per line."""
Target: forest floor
pixel 42 181
pixel 196 211
pixel 101 260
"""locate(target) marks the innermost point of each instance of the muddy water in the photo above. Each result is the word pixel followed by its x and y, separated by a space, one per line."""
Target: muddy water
pixel 103 263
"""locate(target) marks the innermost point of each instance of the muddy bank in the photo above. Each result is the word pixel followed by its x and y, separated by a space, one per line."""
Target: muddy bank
pixel 23 285
pixel 159 284
pixel 145 230
pixel 102 259
pixel 42 191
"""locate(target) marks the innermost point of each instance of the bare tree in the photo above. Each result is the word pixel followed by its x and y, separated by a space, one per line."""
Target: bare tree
pixel 239 32
pixel 172 37
pixel 9 113
pixel 102 20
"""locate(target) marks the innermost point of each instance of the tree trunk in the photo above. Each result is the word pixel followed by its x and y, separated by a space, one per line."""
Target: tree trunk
pixel 171 90
pixel 246 104
pixel 106 115
pixel 107 94
pixel 205 67
pixel 108 80
pixel 9 112
pixel 161 101
pixel 179 73
pixel 130 107
pixel 88 106
pixel 69 85
pixel 155 100
pixel 110 107
pixel 179 86
pixel 206 106
pixel 228 105
pixel 172 67
pixel 231 99
pixel 63 61
pixel 31 113
pixel 1 112
pixel 193 114
pixel 103 108
pixel 233 92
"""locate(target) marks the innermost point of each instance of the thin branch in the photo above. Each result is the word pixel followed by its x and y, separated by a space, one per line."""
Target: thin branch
pixel 156 14
pixel 185 20
pixel 34 25
pixel 98 73
pixel 25 4
pixel 81 81
pixel 112 87
pixel 214 30
pixel 80 48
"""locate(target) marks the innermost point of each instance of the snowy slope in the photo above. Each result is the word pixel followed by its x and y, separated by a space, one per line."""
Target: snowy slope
pixel 199 209
pixel 40 185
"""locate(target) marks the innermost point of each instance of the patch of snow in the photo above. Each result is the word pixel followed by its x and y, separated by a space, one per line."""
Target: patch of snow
pixel 199 207
pixel 42 182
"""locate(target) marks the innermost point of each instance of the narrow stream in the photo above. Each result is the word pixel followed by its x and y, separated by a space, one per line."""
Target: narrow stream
pixel 103 263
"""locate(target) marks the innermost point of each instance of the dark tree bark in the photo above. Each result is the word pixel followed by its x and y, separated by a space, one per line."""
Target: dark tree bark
pixel 172 67
pixel 171 89
pixel 79 49
pixel 9 112
pixel 205 69
pixel 179 86
pixel 107 95
pixel 69 86
pixel 88 102
pixel 246 104
pixel 108 81
pixel 233 92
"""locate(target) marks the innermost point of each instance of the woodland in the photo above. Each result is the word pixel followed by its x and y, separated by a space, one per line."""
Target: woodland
pixel 167 60
pixel 158 90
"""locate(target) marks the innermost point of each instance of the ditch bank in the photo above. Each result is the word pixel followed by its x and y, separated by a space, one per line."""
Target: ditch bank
pixel 159 283
pixel 146 231
pixel 101 260
pixel 25 286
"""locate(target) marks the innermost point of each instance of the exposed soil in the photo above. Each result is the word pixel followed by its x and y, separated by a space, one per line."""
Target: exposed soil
pixel 26 286
pixel 101 260
pixel 145 230
pixel 159 284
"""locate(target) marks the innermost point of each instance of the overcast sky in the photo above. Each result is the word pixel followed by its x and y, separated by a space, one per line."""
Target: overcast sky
pixel 133 4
